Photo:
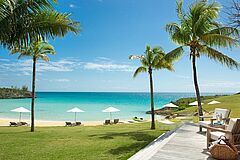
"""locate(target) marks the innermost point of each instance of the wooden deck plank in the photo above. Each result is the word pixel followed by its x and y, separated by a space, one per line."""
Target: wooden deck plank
pixel 185 144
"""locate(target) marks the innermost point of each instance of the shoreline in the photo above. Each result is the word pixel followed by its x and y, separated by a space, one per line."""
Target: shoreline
pixel 46 123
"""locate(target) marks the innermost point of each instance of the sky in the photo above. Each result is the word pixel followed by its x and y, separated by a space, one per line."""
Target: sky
pixel 96 60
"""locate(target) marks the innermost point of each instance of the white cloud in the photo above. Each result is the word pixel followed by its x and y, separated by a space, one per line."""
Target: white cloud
pixel 108 67
pixel 220 84
pixel 62 80
pixel 25 66
pixel 5 60
pixel 71 5
pixel 182 76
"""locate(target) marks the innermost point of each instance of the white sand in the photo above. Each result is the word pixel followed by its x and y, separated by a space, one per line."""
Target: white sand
pixel 42 123
pixel 165 121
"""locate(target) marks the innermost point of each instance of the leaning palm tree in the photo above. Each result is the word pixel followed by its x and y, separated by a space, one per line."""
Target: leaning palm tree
pixel 199 31
pixel 23 20
pixel 38 49
pixel 155 59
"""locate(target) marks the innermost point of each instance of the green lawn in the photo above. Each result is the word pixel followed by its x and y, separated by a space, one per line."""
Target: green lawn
pixel 230 102
pixel 85 142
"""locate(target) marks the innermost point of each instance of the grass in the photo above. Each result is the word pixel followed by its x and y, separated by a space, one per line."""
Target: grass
pixel 229 102
pixel 85 142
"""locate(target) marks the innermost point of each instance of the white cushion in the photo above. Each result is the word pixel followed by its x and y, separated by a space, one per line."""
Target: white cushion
pixel 220 111
pixel 231 124
pixel 204 123
pixel 216 135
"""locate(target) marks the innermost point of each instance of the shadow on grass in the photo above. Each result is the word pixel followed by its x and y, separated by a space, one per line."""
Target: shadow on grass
pixel 142 140
pixel 138 136
pixel 128 149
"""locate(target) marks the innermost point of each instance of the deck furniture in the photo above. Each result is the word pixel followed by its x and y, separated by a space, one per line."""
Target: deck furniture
pixel 13 124
pixel 68 124
pixel 138 119
pixel 23 123
pixel 78 123
pixel 115 121
pixel 231 132
pixel 218 111
pixel 107 122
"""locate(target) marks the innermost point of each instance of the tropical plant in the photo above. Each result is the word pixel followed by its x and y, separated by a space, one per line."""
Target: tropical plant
pixel 199 31
pixel 233 13
pixel 23 20
pixel 38 49
pixel 155 59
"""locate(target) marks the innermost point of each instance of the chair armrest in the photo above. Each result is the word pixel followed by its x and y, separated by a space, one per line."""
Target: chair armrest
pixel 218 129
pixel 205 116
pixel 212 119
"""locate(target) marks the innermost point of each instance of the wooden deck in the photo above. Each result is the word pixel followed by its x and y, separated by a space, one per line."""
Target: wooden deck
pixel 183 144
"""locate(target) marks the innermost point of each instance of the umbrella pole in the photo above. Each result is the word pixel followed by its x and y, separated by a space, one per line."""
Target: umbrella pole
pixel 20 116
pixel 111 116
pixel 75 117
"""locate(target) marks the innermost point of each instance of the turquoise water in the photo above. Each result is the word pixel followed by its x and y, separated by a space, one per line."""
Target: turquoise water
pixel 53 105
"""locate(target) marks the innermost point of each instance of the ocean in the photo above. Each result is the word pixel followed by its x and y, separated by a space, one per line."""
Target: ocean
pixel 52 106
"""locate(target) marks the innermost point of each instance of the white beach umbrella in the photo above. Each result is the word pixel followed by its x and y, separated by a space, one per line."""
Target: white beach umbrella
pixel 214 102
pixel 194 103
pixel 110 110
pixel 170 105
pixel 75 110
pixel 21 110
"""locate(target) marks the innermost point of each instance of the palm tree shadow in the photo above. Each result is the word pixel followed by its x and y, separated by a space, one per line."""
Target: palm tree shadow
pixel 128 148
pixel 142 139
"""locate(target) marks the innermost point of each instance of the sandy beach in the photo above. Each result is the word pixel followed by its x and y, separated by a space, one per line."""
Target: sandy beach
pixel 44 123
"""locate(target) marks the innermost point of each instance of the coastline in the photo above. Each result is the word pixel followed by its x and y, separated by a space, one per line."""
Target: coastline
pixel 45 123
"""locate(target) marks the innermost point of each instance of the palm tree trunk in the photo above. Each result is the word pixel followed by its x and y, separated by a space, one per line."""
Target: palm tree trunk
pixel 152 99
pixel 200 113
pixel 33 93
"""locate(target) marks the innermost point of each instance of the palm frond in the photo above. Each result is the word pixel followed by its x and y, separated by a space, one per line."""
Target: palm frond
pixel 139 70
pixel 21 21
pixel 132 57
pixel 218 40
pixel 174 55
pixel 179 35
pixel 219 57
pixel 225 30
pixel 43 57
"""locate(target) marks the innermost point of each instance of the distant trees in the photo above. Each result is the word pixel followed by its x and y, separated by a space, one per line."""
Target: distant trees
pixel 25 88
pixel 233 13
pixel 14 92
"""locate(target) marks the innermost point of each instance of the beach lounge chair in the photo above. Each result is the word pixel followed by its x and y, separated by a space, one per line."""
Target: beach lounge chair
pixel 24 124
pixel 231 132
pixel 138 119
pixel 115 121
pixel 78 123
pixel 68 124
pixel 218 111
pixel 13 124
pixel 107 122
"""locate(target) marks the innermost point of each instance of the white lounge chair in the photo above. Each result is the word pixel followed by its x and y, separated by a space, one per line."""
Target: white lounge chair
pixel 218 111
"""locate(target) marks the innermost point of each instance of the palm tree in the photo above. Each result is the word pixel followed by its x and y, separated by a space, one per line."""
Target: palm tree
pixel 38 49
pixel 23 20
pixel 155 59
pixel 200 32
